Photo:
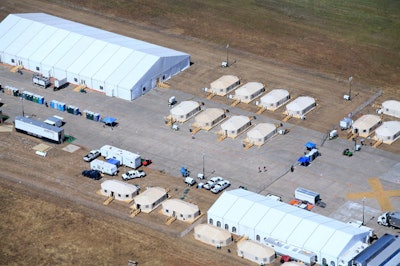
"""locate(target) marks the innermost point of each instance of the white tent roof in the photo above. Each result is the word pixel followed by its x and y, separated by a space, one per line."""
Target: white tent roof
pixel 300 103
pixel 261 130
pixel 389 128
pixel 366 121
pixel 235 122
pixel 249 88
pixel 286 223
pixel 184 108
pixel 257 249
pixel 224 82
pixel 210 230
pixel 209 115
pixel 151 195
pixel 274 96
pixel 119 187
pixel 391 105
pixel 60 48
pixel 180 205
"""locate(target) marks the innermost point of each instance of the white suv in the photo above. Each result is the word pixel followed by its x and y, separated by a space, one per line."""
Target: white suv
pixel 211 183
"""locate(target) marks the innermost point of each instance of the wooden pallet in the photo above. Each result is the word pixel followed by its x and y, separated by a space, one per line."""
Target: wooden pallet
pixel 376 144
pixel 286 118
pixel 170 220
pixel 134 213
pixel 261 110
pixel 15 69
pixel 221 138
pixel 236 102
pixel 80 87
pixel 163 85
pixel 196 130
pixel 108 200
pixel 210 96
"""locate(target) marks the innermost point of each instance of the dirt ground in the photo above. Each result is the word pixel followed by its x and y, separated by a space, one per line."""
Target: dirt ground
pixel 50 215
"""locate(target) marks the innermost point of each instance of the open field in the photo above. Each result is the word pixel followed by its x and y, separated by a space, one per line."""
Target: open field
pixel 303 48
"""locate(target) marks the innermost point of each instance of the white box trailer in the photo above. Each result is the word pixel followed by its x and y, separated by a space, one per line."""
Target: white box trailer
pixel 39 129
pixel 59 83
pixel 126 158
pixel 104 167
pixel 41 80
pixel 307 195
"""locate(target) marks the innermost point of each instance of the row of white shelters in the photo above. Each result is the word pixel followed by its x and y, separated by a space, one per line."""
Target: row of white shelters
pixel 249 92
pixel 391 107
pixel 224 85
pixel 185 110
pixel 104 61
pixel 388 132
pixel 301 234
pixel 209 118
pixel 259 134
pixel 366 124
pixel 150 199
pixel 119 190
pixel 235 125
pixel 182 210
pixel 300 106
pixel 274 99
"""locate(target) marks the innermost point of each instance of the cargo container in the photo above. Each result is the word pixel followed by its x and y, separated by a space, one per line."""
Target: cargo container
pixel 307 195
pixel 104 167
pixel 39 129
pixel 60 83
pixel 126 158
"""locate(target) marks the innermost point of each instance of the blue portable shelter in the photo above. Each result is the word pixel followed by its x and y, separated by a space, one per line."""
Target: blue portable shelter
pixel 310 145
pixel 304 160
pixel 109 120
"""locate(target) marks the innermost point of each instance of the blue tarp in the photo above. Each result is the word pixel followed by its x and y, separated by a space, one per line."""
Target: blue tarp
pixel 304 159
pixel 310 145
pixel 108 120
pixel 114 162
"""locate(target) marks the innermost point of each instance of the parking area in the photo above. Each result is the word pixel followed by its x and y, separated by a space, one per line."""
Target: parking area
pixel 141 129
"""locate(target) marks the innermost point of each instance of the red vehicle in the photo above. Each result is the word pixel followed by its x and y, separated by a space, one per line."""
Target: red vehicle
pixel 285 258
pixel 146 162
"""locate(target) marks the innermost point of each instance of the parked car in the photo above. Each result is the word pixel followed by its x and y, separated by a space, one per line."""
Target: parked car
pixel 347 152
pixel 146 162
pixel 132 174
pixel 93 174
pixel 210 183
pixel 221 185
pixel 190 181
pixel 91 155
pixel 302 204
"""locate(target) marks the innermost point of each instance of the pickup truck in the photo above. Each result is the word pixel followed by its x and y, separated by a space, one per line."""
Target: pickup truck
pixel 212 182
pixel 91 155
pixel 132 174
pixel 221 185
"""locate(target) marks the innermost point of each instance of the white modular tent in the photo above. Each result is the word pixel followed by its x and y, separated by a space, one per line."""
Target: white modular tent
pixel 212 235
pixel 300 106
pixel 388 132
pixel 119 190
pixel 256 252
pixel 224 85
pixel 274 99
pixel 302 234
pixel 391 107
pixel 185 110
pixel 249 92
pixel 182 210
pixel 366 124
pixel 150 199
pixel 235 125
pixel 259 134
pixel 209 118
pixel 104 61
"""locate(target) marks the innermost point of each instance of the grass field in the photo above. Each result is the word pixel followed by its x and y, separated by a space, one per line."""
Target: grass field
pixel 359 38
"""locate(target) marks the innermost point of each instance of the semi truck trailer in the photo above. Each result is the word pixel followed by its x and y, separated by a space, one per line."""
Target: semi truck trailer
pixel 39 129
pixel 391 219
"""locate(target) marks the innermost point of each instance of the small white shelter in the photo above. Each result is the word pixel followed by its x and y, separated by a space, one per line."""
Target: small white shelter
pixel 209 118
pixel 185 110
pixel 224 85
pixel 119 190
pixel 274 99
pixel 388 132
pixel 256 252
pixel 366 124
pixel 261 133
pixel 300 106
pixel 235 125
pixel 182 210
pixel 212 235
pixel 249 92
pixel 150 199
pixel 391 107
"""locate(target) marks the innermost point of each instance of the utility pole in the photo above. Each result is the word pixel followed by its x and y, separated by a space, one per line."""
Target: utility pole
pixel 227 61
pixel 363 202
pixel 350 81
pixel 22 104
pixel 203 165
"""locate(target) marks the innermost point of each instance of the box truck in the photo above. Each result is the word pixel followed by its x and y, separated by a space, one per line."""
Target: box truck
pixel 390 219
pixel 126 158
pixel 60 83
pixel 307 195
pixel 104 167
pixel 39 129
pixel 40 80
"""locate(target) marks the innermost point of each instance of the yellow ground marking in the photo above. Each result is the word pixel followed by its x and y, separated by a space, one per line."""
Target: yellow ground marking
pixel 381 195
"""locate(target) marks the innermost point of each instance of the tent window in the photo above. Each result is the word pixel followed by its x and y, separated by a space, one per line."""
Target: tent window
pixel 75 79
pixel 258 237
pixel 12 61
pixel 226 226
pixel 210 221
pixel 101 88
pixel 38 68
pixel 332 263
pixel 144 89
pixel 105 190
pixel 119 195
pixel 219 224
pixel 163 77
pixel 166 210
pixel 127 196
pixel 233 229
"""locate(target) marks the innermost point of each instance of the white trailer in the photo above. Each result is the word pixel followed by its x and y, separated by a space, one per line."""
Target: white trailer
pixel 41 80
pixel 59 83
pixel 39 129
pixel 126 158
pixel 104 167
pixel 307 195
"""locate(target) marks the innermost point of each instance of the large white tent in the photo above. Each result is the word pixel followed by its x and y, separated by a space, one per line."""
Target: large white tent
pixel 289 229
pixel 388 132
pixel 391 107
pixel 104 61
